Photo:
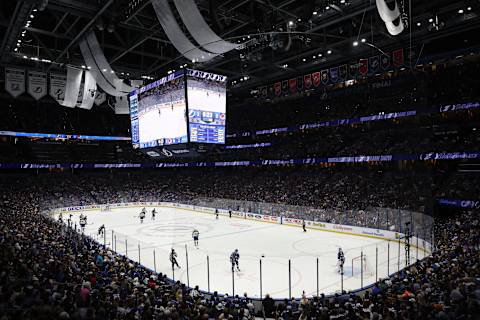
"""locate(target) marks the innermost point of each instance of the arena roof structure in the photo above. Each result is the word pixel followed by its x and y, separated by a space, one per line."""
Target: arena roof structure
pixel 276 38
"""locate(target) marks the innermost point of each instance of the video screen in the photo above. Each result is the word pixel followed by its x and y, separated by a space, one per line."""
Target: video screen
pixel 207 101
pixel 158 113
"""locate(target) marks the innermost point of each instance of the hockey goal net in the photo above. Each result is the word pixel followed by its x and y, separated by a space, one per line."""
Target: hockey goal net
pixel 361 264
pixel 105 208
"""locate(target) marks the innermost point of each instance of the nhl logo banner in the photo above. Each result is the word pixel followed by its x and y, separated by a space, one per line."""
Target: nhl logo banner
pixel 37 84
pixel 293 85
pixel 334 74
pixel 374 64
pixel 300 83
pixel 343 72
pixel 324 76
pixel 363 68
pixel 316 78
pixel 307 81
pixel 14 81
pixel 385 61
pixel 398 58
pixel 58 82
pixel 285 86
pixel 278 88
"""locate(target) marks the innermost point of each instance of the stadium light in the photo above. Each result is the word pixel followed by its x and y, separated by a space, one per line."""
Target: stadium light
pixel 355 43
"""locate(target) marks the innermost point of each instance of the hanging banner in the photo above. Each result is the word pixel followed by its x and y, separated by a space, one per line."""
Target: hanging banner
pixel 353 70
pixel 263 91
pixel 385 61
pixel 136 83
pixel 324 76
pixel 300 84
pixel 398 59
pixel 100 97
pixel 334 74
pixel 89 91
pixel 74 79
pixel 278 88
pixel 37 84
pixel 342 72
pixel 316 78
pixel 307 81
pixel 58 82
pixel 284 86
pixel 121 105
pixel 374 64
pixel 363 68
pixel 14 81
pixel 293 85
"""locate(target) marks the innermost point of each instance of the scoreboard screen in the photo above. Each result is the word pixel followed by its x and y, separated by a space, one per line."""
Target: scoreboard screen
pixel 207 103
pixel 158 113
pixel 185 106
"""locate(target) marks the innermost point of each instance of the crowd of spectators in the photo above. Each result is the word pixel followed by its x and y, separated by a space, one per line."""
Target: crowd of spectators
pixel 48 271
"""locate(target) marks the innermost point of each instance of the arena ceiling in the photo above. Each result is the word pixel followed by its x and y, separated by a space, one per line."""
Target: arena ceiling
pixel 135 44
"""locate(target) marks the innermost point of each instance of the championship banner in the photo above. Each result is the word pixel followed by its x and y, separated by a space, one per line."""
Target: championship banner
pixel 278 88
pixel 398 59
pixel 334 74
pixel 14 81
pixel 58 82
pixel 363 68
pixel 316 78
pixel 374 64
pixel 324 76
pixel 385 61
pixel 343 72
pixel 100 97
pixel 300 84
pixel 293 85
pixel 37 84
pixel 307 81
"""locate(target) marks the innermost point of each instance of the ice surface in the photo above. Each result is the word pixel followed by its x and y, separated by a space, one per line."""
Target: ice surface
pixel 273 244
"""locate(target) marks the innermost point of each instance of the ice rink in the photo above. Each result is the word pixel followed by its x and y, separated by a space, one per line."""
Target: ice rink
pixel 273 244
pixel 163 121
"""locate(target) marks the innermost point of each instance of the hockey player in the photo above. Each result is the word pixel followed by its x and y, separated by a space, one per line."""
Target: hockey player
pixel 304 226
pixel 60 217
pixel 195 235
pixel 341 260
pixel 216 214
pixel 234 258
pixel 83 222
pixel 69 220
pixel 142 214
pixel 230 213
pixel 154 212
pixel 173 259
pixel 101 230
